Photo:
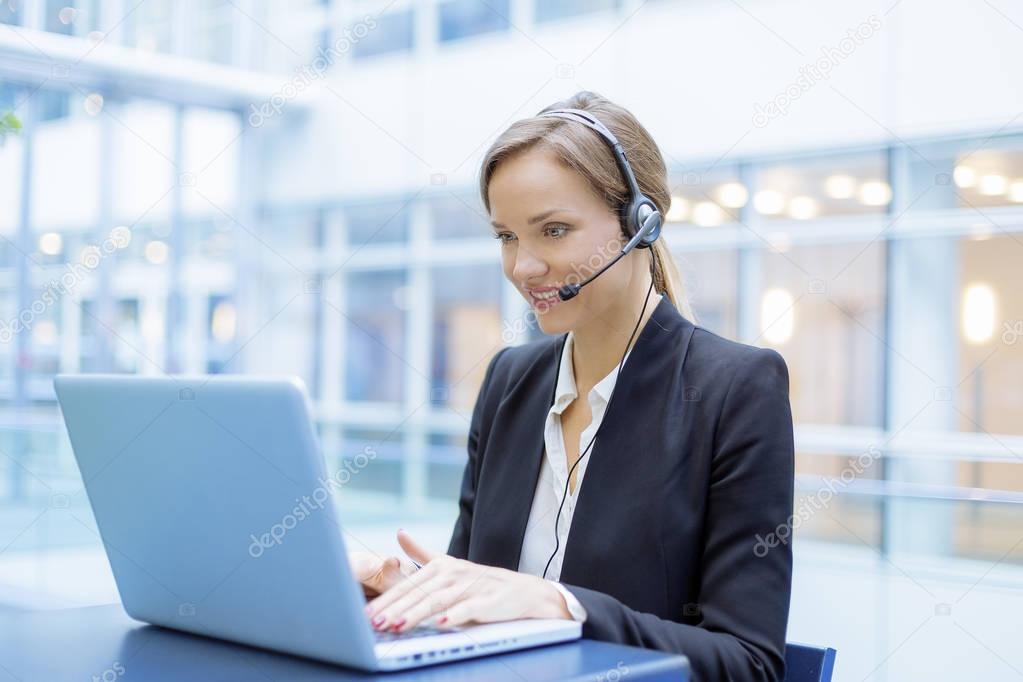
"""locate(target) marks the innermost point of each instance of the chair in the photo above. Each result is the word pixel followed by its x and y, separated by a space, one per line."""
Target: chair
pixel 808 663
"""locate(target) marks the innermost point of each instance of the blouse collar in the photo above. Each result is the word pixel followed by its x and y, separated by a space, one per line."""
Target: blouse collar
pixel 567 391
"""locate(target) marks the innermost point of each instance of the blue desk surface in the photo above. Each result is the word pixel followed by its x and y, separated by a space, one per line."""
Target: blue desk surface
pixel 103 643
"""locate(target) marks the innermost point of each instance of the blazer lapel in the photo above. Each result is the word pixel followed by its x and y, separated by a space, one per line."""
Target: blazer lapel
pixel 512 463
pixel 627 436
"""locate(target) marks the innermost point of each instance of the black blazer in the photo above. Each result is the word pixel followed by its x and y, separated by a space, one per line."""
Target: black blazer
pixel 693 465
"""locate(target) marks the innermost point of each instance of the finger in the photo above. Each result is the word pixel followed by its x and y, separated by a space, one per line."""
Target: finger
pixel 437 602
pixel 396 613
pixel 416 552
pixel 404 585
pixel 474 609
pixel 388 572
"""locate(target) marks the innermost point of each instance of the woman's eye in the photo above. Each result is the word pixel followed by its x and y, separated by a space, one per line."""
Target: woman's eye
pixel 557 231
pixel 500 236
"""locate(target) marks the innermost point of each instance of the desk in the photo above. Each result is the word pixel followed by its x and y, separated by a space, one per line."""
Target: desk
pixel 102 643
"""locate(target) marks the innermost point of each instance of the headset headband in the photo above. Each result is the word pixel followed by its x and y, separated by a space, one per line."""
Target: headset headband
pixel 590 121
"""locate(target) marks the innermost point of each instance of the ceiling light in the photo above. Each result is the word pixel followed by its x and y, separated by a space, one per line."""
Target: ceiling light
pixel 224 321
pixel 777 317
pixel 840 186
pixel 708 214
pixel 156 252
pixel 964 176
pixel 978 313
pixel 803 207
pixel 44 333
pixel 992 185
pixel 1016 191
pixel 679 210
pixel 875 193
pixel 51 243
pixel 732 194
pixel 769 202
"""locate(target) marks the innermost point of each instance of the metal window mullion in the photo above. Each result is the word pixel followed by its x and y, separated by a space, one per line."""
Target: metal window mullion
pixel 315 285
pixel 749 265
pixel 175 313
pixel 34 15
pixel 103 303
pixel 248 269
pixel 334 371
pixel 418 344
pixel 20 337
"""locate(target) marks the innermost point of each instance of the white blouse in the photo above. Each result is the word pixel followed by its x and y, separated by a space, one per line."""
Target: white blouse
pixel 538 542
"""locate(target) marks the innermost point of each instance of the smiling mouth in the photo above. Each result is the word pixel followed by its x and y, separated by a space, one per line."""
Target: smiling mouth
pixel 545 298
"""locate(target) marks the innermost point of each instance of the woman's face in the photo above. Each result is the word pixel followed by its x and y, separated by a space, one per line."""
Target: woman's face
pixel 555 230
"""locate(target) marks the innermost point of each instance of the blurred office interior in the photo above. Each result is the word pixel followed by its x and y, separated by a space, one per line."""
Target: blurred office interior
pixel 289 188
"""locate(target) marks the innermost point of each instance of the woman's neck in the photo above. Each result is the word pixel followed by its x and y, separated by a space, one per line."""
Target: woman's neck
pixel 598 346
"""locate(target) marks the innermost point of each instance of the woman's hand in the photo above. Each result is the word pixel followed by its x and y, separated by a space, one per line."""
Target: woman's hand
pixel 376 574
pixel 458 592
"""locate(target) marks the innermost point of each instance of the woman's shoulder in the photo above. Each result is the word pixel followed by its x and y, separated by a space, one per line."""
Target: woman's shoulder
pixel 519 359
pixel 713 355
pixel 709 358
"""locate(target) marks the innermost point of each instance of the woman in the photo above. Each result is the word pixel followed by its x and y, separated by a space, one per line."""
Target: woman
pixel 658 520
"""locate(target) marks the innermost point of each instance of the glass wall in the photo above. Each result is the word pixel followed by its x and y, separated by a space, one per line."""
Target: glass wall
pixel 374 325
pixel 850 185
pixel 828 329
pixel 118 257
pixel 990 307
pixel 550 10
pixel 466 332
pixel 394 33
pixel 466 18
pixel 393 336
pixel 888 278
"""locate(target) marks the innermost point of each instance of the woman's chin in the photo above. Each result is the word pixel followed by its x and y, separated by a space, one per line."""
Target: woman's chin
pixel 553 323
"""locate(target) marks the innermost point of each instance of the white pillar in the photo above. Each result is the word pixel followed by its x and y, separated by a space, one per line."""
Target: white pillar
pixel 922 361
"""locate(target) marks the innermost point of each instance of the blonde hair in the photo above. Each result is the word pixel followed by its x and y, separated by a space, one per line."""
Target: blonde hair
pixel 585 152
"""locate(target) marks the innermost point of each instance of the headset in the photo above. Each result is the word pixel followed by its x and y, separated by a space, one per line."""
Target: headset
pixel 639 216
pixel 642 223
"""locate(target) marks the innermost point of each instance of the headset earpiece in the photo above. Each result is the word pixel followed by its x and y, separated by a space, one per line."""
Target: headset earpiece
pixel 639 212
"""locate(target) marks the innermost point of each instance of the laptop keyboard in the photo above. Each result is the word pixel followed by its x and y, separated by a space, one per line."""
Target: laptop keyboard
pixel 418 631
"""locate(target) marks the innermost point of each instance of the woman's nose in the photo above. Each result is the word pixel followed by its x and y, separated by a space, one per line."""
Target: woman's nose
pixel 527 266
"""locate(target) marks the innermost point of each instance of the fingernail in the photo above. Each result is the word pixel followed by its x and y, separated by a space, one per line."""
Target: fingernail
pixel 377 620
pixel 397 626
pixel 442 620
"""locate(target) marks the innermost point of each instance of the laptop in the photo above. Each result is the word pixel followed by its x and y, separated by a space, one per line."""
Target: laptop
pixel 218 517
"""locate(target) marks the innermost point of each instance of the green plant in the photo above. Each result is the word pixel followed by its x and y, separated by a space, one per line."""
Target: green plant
pixel 9 125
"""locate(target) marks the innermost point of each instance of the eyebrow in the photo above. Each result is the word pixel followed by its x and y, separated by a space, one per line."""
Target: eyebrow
pixel 535 219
